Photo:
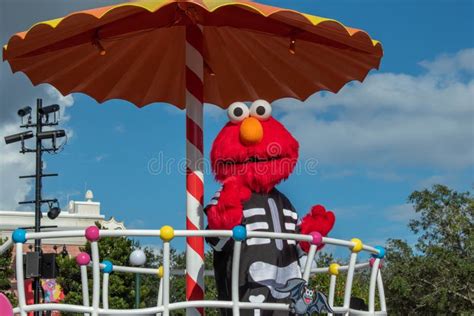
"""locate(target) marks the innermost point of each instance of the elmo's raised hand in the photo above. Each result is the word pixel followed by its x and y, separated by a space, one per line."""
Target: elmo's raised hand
pixel 317 220
pixel 228 211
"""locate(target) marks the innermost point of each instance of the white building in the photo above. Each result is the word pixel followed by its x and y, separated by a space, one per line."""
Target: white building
pixel 77 216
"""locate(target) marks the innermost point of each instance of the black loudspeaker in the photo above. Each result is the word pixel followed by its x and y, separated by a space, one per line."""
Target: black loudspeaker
pixel 49 268
pixel 32 264
pixel 358 303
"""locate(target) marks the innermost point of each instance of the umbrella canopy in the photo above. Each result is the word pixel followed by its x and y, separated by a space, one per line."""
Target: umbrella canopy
pixel 136 52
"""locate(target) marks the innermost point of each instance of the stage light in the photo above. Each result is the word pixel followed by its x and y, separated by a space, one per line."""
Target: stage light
pixel 54 212
pixel 18 137
pixel 24 111
pixel 51 134
pixel 49 109
pixel 54 209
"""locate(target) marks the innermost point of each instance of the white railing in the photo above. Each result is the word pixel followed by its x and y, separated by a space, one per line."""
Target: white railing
pixel 164 306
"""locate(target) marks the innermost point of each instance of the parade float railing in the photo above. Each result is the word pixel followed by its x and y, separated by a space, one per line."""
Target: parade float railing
pixel 164 306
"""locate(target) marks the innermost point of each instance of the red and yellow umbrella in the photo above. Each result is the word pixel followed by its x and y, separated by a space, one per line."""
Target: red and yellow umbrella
pixel 250 51
pixel 189 52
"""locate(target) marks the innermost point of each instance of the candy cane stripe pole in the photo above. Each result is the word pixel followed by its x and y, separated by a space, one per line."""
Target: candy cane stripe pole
pixel 194 172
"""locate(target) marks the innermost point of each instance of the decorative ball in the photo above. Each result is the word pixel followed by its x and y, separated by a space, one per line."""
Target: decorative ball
pixel 166 233
pixel 137 258
pixel 372 261
pixel 19 236
pixel 108 266
pixel 358 245
pixel 239 233
pixel 381 253
pixel 317 238
pixel 160 272
pixel 334 269
pixel 83 259
pixel 6 308
pixel 92 233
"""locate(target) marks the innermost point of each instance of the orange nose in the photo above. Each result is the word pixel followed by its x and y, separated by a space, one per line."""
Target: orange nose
pixel 251 131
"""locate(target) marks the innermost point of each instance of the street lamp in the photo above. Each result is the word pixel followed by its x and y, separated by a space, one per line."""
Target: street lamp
pixel 137 259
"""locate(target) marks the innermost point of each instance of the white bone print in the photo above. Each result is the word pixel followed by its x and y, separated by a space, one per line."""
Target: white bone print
pixel 256 299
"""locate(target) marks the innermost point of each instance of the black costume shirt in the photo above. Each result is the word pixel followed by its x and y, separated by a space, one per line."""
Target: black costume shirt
pixel 264 263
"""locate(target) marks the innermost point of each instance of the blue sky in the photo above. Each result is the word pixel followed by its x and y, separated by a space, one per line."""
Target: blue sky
pixel 410 125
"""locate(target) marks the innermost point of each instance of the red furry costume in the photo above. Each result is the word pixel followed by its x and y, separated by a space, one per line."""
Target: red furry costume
pixel 250 156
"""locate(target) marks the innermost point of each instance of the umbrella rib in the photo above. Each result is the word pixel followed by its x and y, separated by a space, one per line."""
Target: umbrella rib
pixel 151 83
pixel 251 54
pixel 141 43
pixel 109 63
pixel 237 70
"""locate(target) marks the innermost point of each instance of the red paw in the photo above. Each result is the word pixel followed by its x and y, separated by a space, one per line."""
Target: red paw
pixel 233 190
pixel 227 219
pixel 228 211
pixel 317 220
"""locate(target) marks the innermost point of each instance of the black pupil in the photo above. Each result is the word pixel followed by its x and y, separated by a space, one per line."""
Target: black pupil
pixel 260 110
pixel 238 112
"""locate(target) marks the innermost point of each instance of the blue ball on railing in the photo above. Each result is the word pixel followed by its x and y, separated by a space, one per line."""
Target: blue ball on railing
pixel 108 266
pixel 239 233
pixel 381 253
pixel 19 236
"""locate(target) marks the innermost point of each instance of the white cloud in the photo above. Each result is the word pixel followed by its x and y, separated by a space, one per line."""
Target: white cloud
pixel 400 213
pixel 14 164
pixel 64 101
pixel 392 119
pixel 16 91
pixel 462 61
pixel 430 181
pixel 100 157
pixel 119 128
pixel 389 176
pixel 338 174
pixel 352 211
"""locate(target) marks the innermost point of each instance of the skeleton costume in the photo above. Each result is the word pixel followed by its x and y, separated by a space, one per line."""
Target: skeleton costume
pixel 264 263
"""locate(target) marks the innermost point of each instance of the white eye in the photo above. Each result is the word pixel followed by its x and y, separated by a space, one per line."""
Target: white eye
pixel 261 109
pixel 237 112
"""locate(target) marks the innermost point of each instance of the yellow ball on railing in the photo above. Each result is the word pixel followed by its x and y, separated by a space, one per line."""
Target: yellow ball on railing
pixel 160 272
pixel 334 269
pixel 358 245
pixel 166 233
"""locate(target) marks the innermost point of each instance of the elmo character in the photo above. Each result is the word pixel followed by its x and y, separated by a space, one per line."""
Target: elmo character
pixel 250 156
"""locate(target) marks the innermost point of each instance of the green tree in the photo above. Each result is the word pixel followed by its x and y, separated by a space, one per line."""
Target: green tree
pixel 436 276
pixel 178 283
pixel 122 285
pixel 6 274
pixel 360 282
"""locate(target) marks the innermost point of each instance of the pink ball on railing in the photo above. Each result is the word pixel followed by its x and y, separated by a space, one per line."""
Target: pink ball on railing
pixel 317 238
pixel 92 233
pixel 83 259
pixel 372 261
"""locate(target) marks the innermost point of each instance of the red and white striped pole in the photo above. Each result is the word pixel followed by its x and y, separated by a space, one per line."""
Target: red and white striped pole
pixel 194 172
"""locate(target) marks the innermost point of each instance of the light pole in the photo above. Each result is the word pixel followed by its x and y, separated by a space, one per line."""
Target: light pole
pixel 137 259
pixel 46 116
